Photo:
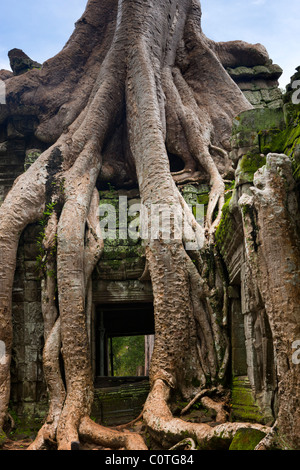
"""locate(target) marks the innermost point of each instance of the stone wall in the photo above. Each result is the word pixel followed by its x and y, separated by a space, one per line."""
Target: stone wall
pixel 255 134
pixel 28 392
pixel 259 84
pixel 18 149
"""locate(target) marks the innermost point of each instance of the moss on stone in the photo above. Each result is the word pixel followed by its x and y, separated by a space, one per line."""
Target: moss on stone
pixel 246 439
pixel 259 119
pixel 203 198
pixel 249 165
pixel 285 140
pixel 28 424
pixel 225 226
pixel 279 141
pixel 243 405
pixel 119 405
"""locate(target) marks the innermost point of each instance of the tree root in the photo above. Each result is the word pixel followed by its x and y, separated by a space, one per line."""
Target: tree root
pixel 93 432
pixel 127 425
pixel 185 444
pixel 168 429
pixel 195 126
pixel 56 390
pixel 269 440
pixel 218 407
pixel 195 399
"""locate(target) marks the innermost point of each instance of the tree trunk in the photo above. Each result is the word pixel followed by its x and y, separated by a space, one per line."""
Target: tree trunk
pixel 137 80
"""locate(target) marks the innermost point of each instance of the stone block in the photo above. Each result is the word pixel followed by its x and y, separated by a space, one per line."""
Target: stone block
pixel 243 405
pixel 31 291
pixel 32 333
pixel 31 251
pixel 17 295
pixel 256 120
pixel 119 405
pixel 33 312
pixel 254 97
pixel 30 372
pixel 29 391
pixel 31 271
pixel 244 139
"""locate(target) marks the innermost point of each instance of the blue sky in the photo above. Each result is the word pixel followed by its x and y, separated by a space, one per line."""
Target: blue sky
pixel 42 28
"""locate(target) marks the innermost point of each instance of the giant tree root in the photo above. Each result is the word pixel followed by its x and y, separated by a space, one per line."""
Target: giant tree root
pixel 169 430
pixel 93 432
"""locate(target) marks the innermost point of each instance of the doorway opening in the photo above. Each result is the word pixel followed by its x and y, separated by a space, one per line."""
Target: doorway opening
pixel 124 342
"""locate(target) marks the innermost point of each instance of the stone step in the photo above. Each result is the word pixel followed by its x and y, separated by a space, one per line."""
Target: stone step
pixel 119 405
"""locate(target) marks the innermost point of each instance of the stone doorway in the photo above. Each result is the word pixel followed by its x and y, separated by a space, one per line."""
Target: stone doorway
pixel 123 343
pixel 119 399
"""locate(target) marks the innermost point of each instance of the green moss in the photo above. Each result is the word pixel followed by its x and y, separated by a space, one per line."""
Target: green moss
pixel 225 226
pixel 284 140
pixel 203 198
pixel 279 141
pixel 114 264
pixel 30 158
pixel 291 113
pixel 243 405
pixel 249 164
pixel 246 439
pixel 26 426
pixel 256 120
pixel 119 252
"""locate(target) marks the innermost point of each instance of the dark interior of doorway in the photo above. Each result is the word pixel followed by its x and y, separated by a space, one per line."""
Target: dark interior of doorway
pixel 116 321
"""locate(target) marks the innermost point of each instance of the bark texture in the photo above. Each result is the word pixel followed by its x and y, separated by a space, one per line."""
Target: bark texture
pixel 271 221
pixel 137 82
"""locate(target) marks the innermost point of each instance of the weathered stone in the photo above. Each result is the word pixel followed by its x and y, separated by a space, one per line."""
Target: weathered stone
pixel 20 62
pixel 257 120
pixel 254 97
pixel 243 405
pixel 116 291
pixel 119 405
pixel 31 291
pixel 247 166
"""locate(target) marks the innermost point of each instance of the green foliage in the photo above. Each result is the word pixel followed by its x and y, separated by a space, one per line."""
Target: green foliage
pixel 25 427
pixel 128 354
